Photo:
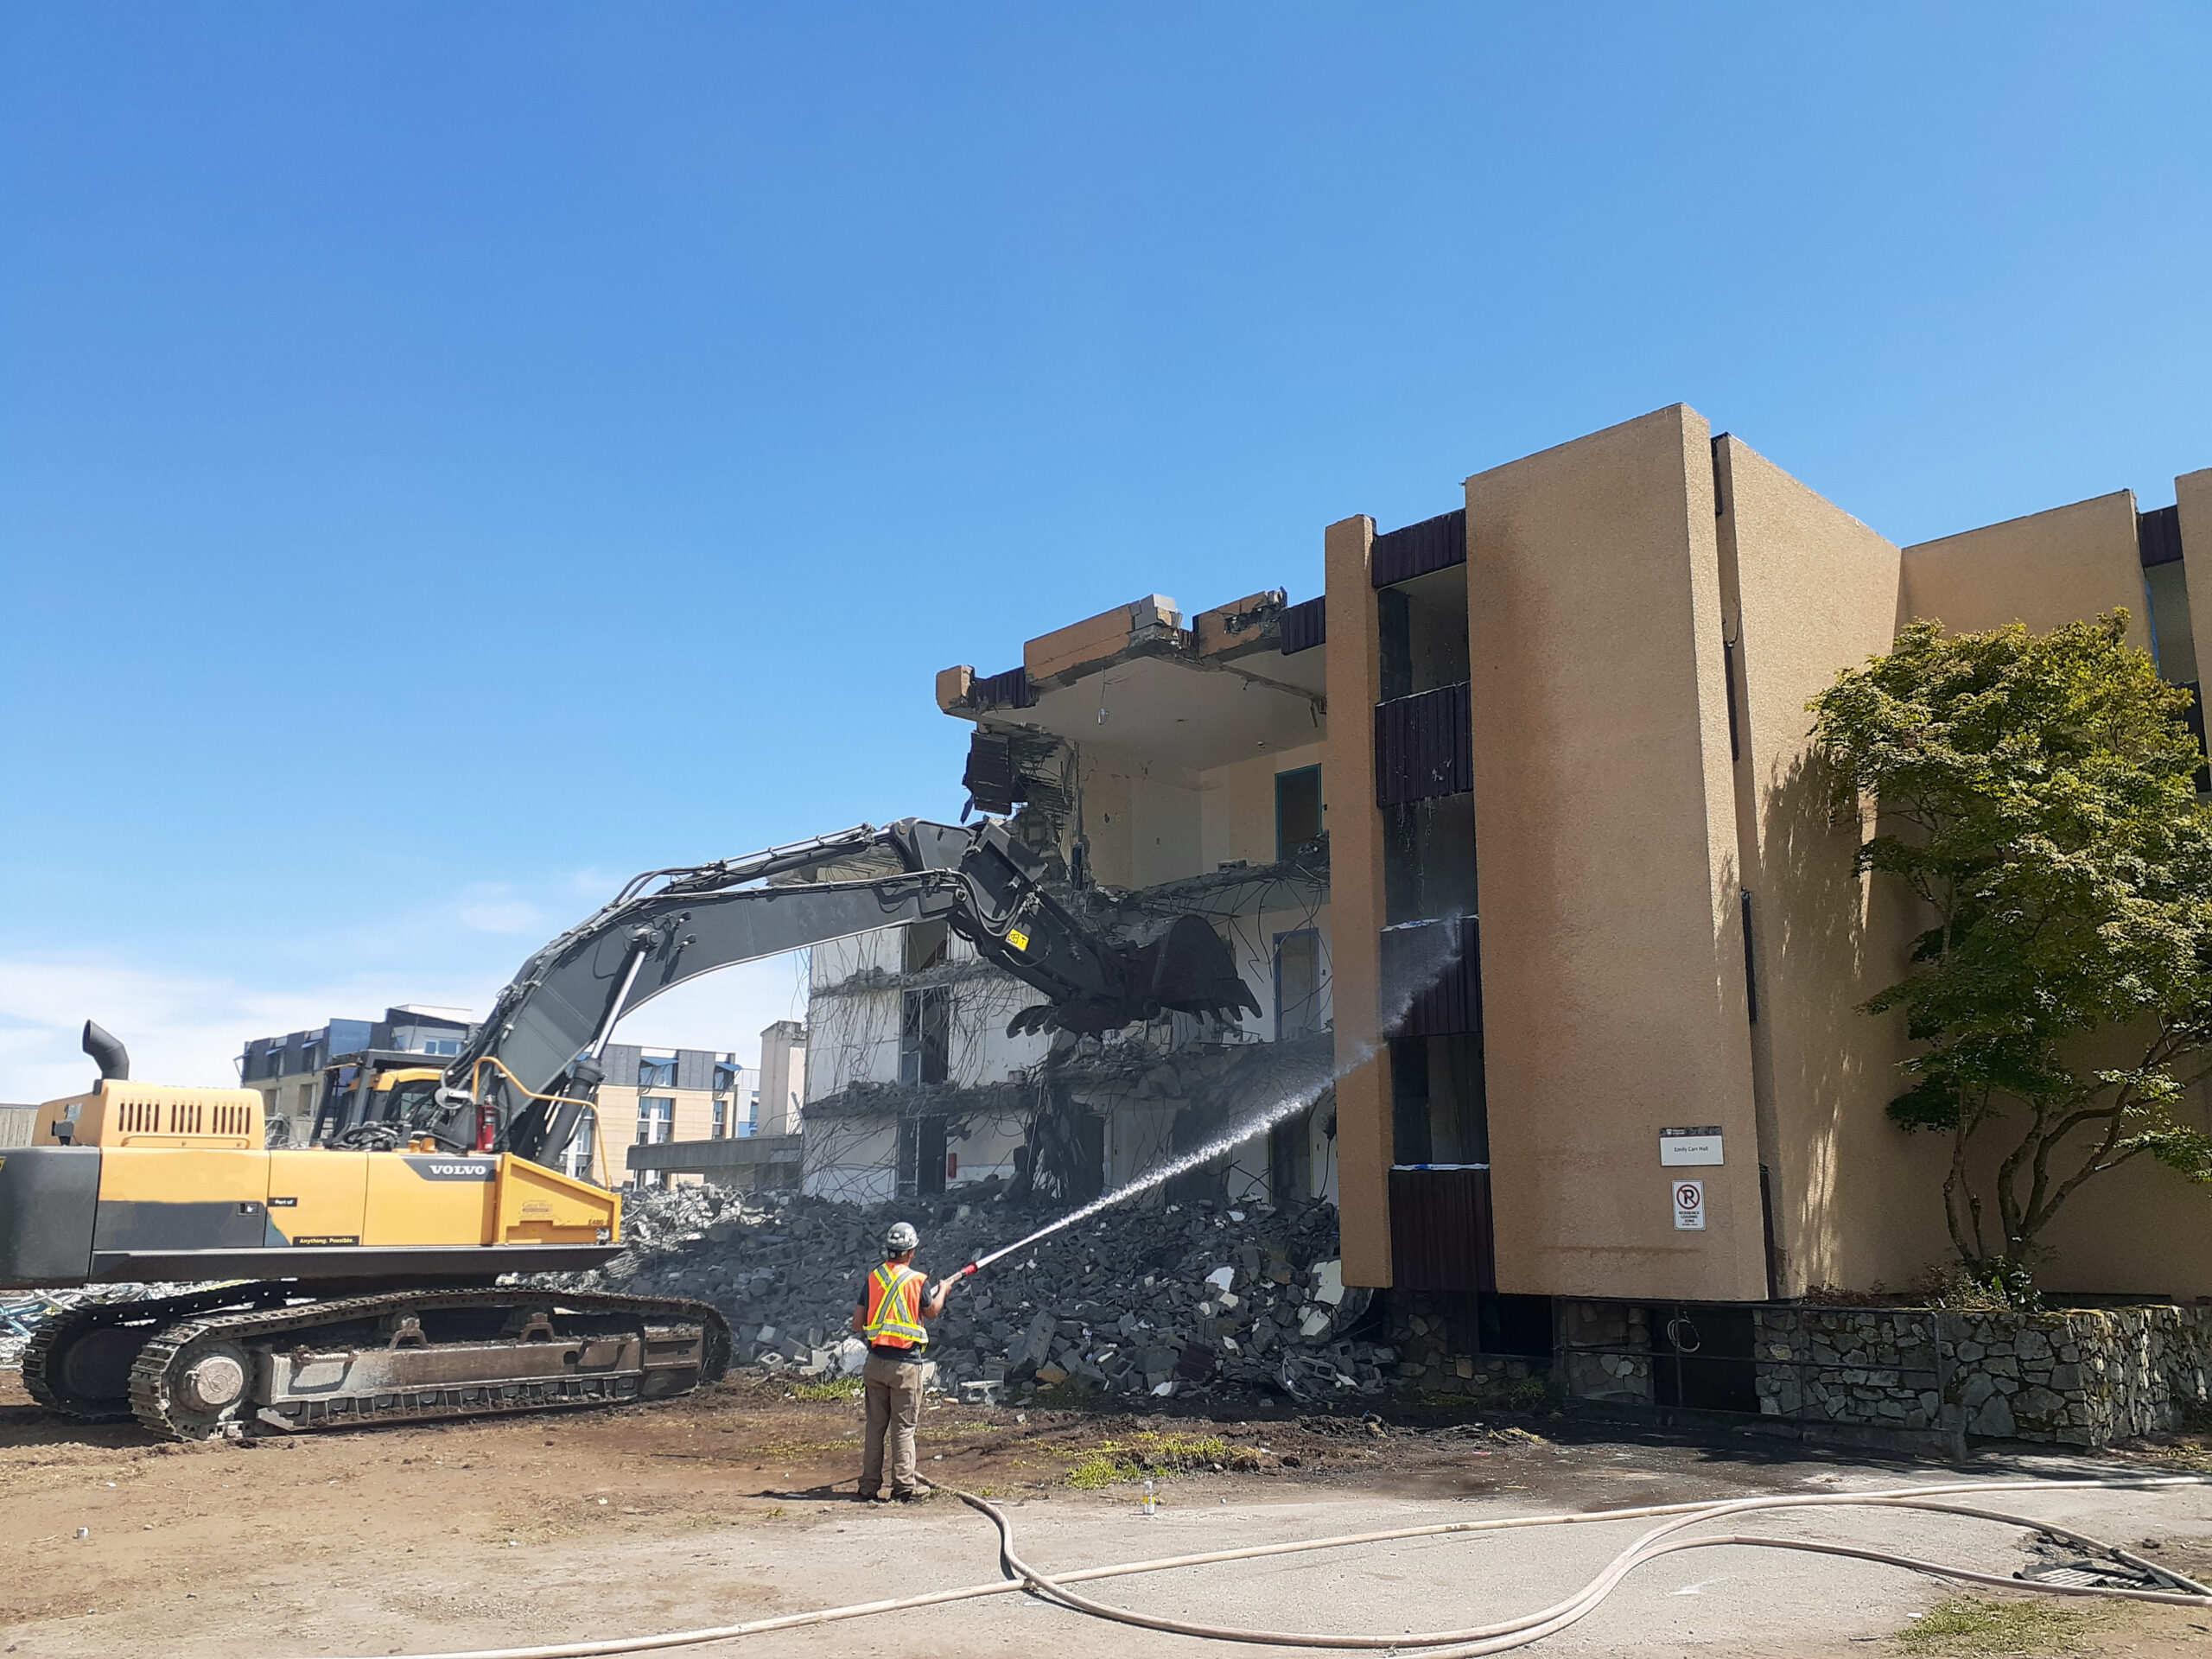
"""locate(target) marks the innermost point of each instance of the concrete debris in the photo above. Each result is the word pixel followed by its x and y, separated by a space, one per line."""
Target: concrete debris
pixel 21 1311
pixel 1175 1301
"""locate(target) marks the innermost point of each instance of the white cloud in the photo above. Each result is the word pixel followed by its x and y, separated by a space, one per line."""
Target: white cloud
pixel 503 916
pixel 189 1028
pixel 185 1013
pixel 180 1028
pixel 723 1011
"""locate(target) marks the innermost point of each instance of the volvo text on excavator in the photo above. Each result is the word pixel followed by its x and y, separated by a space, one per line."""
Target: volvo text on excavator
pixel 364 1276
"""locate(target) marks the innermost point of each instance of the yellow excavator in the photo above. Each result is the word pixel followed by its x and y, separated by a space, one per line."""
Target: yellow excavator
pixel 372 1280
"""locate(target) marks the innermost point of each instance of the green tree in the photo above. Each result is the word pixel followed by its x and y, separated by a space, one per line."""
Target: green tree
pixel 2037 794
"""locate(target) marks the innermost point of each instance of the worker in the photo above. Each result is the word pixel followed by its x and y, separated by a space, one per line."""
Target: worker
pixel 894 1300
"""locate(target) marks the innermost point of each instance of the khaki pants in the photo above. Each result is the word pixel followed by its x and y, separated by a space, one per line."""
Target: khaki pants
pixel 894 1401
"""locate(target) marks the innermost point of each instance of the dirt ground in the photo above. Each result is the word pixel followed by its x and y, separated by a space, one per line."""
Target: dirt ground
pixel 736 1503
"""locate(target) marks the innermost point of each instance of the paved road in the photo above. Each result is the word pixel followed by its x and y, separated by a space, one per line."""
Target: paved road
pixel 1726 1600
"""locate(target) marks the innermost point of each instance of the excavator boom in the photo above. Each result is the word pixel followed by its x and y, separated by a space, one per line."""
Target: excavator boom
pixel 536 1058
pixel 375 1259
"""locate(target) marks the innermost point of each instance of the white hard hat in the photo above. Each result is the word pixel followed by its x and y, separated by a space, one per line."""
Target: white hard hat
pixel 901 1237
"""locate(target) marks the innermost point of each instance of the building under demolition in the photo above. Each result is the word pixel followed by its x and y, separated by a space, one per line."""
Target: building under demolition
pixel 1553 896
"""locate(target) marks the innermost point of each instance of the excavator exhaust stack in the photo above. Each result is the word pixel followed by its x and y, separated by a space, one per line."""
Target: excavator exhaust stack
pixel 107 1052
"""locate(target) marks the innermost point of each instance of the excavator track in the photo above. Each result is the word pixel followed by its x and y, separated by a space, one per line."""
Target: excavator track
pixel 413 1356
pixel 78 1363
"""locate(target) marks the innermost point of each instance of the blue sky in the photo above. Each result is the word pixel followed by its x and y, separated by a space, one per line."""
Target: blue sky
pixel 452 456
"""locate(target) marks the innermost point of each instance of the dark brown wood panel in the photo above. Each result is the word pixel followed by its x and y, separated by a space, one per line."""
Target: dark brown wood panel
pixel 1440 1235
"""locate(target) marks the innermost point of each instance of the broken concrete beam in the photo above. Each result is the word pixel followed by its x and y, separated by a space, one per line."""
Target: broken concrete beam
pixel 1067 653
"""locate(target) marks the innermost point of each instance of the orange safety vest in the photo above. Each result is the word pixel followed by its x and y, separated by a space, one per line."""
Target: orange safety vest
pixel 894 1308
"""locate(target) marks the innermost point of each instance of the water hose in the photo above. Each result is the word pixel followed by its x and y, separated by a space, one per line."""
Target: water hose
pixel 1483 1639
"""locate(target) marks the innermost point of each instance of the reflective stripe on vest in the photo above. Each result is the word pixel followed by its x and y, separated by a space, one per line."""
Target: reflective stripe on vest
pixel 894 1307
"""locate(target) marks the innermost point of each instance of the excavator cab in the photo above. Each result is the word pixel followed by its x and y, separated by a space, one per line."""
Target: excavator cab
pixel 387 1097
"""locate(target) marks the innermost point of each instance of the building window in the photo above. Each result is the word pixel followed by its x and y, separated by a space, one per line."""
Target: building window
pixel 446 1047
pixel 656 1124
pixel 577 1160
pixel 725 1077
pixel 1438 1114
pixel 922 1156
pixel 1428 860
pixel 720 1128
pixel 924 1036
pixel 656 1074
pixel 1422 628
pixel 2173 642
pixel 1298 809
pixel 1298 984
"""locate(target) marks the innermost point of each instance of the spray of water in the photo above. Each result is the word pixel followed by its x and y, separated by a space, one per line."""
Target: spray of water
pixel 1258 1123
pixel 1430 968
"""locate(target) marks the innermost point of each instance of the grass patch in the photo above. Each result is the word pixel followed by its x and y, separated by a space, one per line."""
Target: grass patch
pixel 1970 1624
pixel 1155 1455
pixel 836 1388
pixel 1525 1398
pixel 785 1451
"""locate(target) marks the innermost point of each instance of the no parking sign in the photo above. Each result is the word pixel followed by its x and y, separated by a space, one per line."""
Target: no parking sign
pixel 1689 1206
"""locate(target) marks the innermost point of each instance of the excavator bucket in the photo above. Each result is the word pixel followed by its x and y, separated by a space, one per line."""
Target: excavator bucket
pixel 1187 970
pixel 1190 971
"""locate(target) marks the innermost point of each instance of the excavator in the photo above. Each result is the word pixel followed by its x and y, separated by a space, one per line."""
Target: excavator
pixel 374 1280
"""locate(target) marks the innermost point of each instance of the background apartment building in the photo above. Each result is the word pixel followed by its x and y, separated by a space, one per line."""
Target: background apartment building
pixel 289 1069
pixel 1575 886
pixel 684 1115
pixel 679 1102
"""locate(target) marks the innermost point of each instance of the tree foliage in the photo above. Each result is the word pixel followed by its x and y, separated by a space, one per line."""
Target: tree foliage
pixel 2037 794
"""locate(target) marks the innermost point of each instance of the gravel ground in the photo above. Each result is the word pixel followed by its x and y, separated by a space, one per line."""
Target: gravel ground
pixel 734 1503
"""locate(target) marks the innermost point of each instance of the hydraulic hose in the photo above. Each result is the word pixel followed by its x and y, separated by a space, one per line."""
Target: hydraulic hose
pixel 1481 1638
pixel 1478 1640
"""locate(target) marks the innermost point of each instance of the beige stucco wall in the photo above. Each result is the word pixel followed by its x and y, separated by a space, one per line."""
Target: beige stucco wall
pixel 1354 682
pixel 617 1111
pixel 2193 496
pixel 1809 591
pixel 2138 1229
pixel 1236 805
pixel 2046 569
pixel 1612 967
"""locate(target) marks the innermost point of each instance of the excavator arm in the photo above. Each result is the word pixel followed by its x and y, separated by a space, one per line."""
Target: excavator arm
pixel 534 1061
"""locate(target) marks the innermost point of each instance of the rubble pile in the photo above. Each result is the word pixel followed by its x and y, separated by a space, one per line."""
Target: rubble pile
pixel 1193 1300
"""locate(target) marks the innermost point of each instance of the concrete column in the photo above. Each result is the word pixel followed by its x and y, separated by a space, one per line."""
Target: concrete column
pixel 1613 970
pixel 2193 495
pixel 783 1076
pixel 1809 591
pixel 2065 565
pixel 1355 683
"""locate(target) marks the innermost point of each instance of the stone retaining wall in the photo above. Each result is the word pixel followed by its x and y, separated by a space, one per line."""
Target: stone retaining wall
pixel 2077 1377
pixel 1435 1355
